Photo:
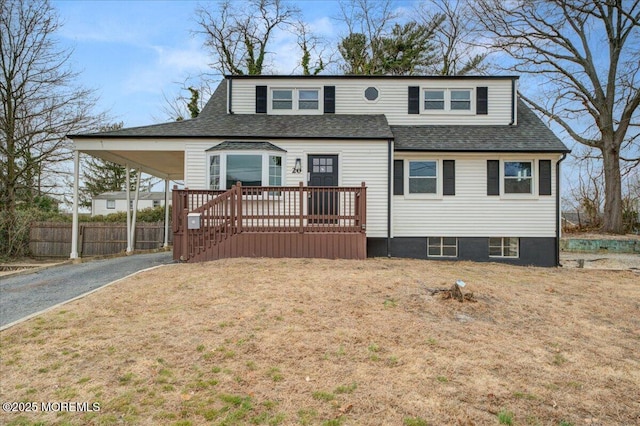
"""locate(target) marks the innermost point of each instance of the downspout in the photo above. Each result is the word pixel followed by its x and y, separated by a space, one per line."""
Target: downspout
pixel 230 96
pixel 389 194
pixel 513 102
pixel 558 218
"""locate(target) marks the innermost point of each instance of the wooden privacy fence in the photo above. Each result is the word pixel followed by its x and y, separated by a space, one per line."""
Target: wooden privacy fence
pixel 53 239
pixel 270 221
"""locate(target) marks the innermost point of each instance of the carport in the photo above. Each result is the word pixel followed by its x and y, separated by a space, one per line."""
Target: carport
pixel 160 158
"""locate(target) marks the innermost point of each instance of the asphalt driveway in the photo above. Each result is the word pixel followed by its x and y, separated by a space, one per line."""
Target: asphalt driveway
pixel 24 295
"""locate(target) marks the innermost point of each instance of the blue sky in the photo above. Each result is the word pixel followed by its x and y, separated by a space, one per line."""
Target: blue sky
pixel 135 52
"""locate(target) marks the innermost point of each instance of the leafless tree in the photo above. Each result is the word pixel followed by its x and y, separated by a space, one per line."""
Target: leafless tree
pixel 584 56
pixel 176 107
pixel 238 33
pixel 40 103
pixel 315 52
pixel 455 38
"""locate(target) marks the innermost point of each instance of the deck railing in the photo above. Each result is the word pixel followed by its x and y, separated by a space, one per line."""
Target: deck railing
pixel 264 209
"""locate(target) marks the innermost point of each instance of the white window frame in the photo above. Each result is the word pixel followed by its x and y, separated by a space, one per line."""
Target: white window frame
pixel 447 100
pixel 504 177
pixel 265 172
pixel 441 246
pixel 438 177
pixel 534 179
pixel 156 203
pixel 502 247
pixel 111 204
pixel 295 101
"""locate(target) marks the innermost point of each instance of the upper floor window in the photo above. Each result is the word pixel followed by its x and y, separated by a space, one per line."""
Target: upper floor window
pixel 307 99
pixel 447 99
pixel 283 100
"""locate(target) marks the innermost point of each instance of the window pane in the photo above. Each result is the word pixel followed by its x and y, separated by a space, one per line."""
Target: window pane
pixel 434 241
pixel 275 170
pixel 282 95
pixel 460 95
pixel 244 168
pixel 517 169
pixel 282 99
pixel 308 99
pixel 422 185
pixel 449 251
pixel 431 95
pixel 214 172
pixel 434 251
pixel 434 99
pixel 449 241
pixel 282 105
pixel 460 100
pixel 517 186
pixel 422 168
pixel 495 251
pixel 495 242
pixel 511 247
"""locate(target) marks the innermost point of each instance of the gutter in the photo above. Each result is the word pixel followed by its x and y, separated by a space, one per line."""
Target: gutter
pixel 558 224
pixel 389 194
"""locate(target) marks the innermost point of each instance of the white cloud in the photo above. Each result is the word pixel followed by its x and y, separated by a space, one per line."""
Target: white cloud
pixel 170 65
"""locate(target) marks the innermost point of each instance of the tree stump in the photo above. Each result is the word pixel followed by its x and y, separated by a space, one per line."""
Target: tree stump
pixel 456 293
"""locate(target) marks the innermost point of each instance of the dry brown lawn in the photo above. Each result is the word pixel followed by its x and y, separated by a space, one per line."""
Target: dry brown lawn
pixel 273 341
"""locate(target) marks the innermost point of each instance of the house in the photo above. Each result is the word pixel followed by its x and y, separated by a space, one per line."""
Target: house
pixel 116 201
pixel 427 167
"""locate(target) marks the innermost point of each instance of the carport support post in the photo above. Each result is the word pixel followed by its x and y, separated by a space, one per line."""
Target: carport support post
pixel 135 210
pixel 74 225
pixel 166 214
pixel 128 174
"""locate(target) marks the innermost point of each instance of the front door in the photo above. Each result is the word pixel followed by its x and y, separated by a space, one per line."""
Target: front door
pixel 323 172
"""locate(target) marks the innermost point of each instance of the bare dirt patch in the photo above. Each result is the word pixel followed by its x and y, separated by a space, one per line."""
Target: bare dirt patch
pixel 272 341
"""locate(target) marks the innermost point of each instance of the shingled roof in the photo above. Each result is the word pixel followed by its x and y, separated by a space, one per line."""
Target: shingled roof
pixel 529 135
pixel 214 122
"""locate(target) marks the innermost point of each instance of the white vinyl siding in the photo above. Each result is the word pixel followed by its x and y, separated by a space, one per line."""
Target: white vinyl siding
pixel 358 161
pixel 471 213
pixel 392 98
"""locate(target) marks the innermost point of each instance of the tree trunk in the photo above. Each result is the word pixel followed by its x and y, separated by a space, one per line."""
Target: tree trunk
pixel 613 191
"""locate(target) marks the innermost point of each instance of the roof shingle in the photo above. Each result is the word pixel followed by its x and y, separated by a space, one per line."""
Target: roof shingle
pixel 529 135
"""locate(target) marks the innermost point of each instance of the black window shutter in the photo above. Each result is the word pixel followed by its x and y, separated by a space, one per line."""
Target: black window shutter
pixel 493 177
pixel 449 177
pixel 414 100
pixel 544 168
pixel 482 100
pixel 329 99
pixel 398 177
pixel 261 99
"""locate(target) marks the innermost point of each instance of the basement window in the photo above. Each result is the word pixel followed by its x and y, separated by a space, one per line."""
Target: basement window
pixel 504 247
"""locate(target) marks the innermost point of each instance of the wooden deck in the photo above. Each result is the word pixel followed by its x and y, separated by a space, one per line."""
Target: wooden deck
pixel 283 221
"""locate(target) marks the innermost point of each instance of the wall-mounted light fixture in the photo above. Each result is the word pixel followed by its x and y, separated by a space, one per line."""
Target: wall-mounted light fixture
pixel 297 168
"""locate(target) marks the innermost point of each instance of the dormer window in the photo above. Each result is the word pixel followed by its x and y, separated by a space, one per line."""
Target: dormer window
pixel 282 99
pixel 447 100
pixel 285 101
pixel 307 99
